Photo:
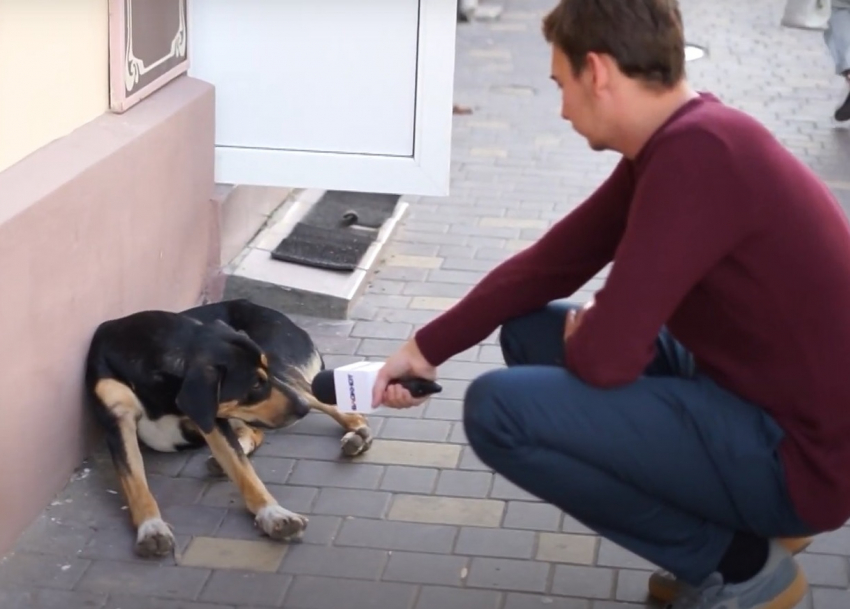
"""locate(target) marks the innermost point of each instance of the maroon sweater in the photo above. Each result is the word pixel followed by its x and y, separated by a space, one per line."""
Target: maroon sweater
pixel 720 233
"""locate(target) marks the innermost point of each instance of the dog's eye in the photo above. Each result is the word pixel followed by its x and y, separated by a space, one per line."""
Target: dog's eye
pixel 259 383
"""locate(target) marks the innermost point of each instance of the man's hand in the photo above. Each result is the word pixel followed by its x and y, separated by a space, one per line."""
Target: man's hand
pixel 574 319
pixel 407 361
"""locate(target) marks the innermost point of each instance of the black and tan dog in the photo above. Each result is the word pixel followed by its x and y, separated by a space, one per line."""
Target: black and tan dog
pixel 215 375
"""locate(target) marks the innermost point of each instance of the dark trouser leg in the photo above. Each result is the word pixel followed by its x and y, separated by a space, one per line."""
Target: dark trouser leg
pixel 668 467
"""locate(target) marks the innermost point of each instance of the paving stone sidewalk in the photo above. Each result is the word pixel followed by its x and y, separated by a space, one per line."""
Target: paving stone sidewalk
pixel 418 522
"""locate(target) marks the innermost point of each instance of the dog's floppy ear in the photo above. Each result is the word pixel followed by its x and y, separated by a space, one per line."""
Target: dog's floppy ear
pixel 198 396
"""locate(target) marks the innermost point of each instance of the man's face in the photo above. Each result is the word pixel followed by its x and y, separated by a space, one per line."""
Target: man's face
pixel 578 103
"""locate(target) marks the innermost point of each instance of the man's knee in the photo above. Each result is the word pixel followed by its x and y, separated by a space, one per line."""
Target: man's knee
pixel 486 412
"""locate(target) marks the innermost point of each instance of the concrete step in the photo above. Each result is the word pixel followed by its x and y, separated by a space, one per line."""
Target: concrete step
pixel 298 289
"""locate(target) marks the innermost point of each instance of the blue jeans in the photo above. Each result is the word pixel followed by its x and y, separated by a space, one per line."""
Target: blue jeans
pixel 668 467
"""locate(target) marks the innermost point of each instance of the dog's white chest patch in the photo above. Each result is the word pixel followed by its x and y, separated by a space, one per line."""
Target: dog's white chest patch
pixel 163 435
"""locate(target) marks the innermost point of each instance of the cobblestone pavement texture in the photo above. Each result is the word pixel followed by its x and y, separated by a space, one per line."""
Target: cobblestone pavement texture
pixel 418 521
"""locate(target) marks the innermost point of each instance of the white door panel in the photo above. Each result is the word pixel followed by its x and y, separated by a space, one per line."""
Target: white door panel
pixel 338 94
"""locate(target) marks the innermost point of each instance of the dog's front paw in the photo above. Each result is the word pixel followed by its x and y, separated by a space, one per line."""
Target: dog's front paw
pixel 280 524
pixel 154 539
pixel 356 442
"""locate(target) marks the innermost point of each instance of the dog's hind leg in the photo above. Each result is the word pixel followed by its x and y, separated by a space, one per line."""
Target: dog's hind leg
pixel 274 520
pixel 250 439
pixel 120 412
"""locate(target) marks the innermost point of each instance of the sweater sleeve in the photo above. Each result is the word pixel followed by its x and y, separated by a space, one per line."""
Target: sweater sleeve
pixel 689 211
pixel 565 258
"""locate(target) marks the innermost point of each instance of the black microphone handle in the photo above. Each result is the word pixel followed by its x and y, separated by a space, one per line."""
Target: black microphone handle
pixel 418 387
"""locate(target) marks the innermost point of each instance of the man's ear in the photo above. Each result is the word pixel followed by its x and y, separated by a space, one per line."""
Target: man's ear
pixel 198 396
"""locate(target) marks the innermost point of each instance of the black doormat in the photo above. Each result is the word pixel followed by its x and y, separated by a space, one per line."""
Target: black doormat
pixel 337 230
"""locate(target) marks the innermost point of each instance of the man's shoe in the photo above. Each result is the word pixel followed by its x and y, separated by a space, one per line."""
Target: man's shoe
pixel 665 587
pixel 781 584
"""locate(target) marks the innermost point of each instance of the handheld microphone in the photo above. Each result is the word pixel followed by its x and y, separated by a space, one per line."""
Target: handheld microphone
pixel 350 387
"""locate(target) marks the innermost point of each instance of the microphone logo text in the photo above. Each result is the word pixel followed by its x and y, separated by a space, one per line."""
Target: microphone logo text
pixel 351 393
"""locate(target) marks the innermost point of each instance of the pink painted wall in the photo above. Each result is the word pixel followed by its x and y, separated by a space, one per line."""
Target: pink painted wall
pixel 114 218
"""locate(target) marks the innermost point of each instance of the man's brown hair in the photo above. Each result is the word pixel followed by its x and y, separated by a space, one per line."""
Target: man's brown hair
pixel 644 37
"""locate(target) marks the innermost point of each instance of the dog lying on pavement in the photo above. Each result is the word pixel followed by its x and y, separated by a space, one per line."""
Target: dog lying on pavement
pixel 216 375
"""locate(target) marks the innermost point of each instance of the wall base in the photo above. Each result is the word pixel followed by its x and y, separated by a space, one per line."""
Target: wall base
pixel 113 218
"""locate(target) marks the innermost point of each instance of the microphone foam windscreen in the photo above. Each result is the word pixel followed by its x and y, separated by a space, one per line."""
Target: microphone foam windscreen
pixel 324 387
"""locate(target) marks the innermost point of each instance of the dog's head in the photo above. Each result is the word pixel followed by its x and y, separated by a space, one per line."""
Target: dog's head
pixel 227 375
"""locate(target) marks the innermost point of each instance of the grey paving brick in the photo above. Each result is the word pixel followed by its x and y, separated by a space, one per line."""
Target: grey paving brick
pixel 371 329
pixel 378 347
pixel 453 389
pixel 338 345
pixel 176 491
pixel 465 371
pixel 420 454
pixel 261 555
pixel 46 536
pixel 571 525
pixel 825 570
pixel 152 602
pixel 346 474
pixel 115 577
pixel 536 516
pixel 296 446
pixel 390 535
pixel 505 489
pixel 508 574
pixel 455 483
pixel 384 286
pixel 295 498
pixel 443 597
pixel 632 586
pixel 407 479
pixel 330 561
pixel 242 588
pixel 41 570
pixel 319 424
pixel 498 543
pixel 414 567
pixel 830 598
pixel 416 429
pixel 411 316
pixel 238 525
pixel 601 604
pixel 516 600
pixel 44 598
pixel 491 354
pixel 469 460
pixel 451 410
pixel 460 511
pixel 583 582
pixel 566 548
pixel 327 592
pixel 192 519
pixel 458 436
pixel 164 464
pixel 402 273
pixel 112 544
pixel 349 502
pixel 834 542
pixel 612 555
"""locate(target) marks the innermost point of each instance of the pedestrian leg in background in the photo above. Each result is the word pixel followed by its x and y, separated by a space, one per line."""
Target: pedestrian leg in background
pixel 837 38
